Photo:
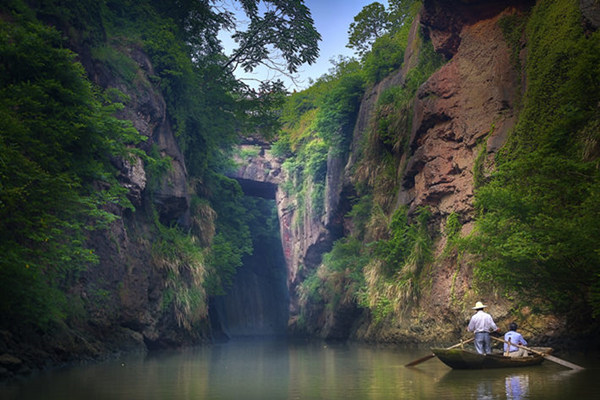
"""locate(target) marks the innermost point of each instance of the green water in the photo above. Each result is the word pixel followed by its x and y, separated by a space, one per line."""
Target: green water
pixel 264 369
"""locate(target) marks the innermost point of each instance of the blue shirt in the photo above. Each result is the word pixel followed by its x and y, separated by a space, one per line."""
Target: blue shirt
pixel 515 337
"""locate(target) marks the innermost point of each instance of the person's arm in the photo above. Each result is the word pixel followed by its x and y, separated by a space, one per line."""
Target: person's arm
pixel 523 341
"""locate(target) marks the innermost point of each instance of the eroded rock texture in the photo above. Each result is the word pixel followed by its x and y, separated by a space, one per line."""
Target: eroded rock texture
pixel 462 113
pixel 125 290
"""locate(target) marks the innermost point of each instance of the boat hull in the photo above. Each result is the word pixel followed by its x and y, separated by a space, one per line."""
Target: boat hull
pixel 464 359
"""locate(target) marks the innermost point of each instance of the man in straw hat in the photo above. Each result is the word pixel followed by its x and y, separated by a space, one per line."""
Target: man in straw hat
pixel 482 324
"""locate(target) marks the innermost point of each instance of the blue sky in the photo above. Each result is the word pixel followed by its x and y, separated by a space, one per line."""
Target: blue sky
pixel 332 19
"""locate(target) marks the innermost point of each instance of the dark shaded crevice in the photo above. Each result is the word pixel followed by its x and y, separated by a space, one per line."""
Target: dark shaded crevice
pixel 252 188
pixel 257 303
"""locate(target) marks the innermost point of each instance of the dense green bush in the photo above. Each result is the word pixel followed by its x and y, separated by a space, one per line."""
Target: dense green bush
pixel 409 243
pixel 232 240
pixel 538 233
pixel 58 136
pixel 339 106
pixel 340 277
pixel 386 56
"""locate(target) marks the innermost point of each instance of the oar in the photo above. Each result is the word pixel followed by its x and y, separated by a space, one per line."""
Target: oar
pixel 430 356
pixel 541 353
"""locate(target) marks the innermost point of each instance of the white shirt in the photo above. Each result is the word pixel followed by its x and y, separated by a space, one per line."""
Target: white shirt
pixel 482 322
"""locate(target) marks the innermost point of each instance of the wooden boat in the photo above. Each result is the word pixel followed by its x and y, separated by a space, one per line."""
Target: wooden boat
pixel 465 359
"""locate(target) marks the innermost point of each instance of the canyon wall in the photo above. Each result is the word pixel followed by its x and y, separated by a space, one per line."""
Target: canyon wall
pixel 127 269
pixel 461 116
pixel 119 304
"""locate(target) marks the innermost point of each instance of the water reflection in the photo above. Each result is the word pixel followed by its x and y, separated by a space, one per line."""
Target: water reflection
pixel 517 387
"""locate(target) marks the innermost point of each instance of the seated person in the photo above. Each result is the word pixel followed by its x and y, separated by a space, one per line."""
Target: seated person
pixel 514 337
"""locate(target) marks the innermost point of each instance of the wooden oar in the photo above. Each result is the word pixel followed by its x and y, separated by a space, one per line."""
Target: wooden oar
pixel 541 353
pixel 430 356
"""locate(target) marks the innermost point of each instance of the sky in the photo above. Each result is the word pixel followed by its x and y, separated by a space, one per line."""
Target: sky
pixel 332 19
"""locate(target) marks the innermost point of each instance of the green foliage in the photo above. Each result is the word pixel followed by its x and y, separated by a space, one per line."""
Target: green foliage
pixel 382 309
pixel 285 26
pixel 347 254
pixel 401 13
pixel 250 152
pixel 395 103
pixel 360 214
pixel 156 168
pixel 479 176
pixel 453 226
pixel 117 62
pixel 409 243
pixel 282 148
pixel 232 239
pixel 538 231
pixel 377 30
pixel 317 199
pixel 310 289
pixel 262 109
pixel 298 104
pixel 386 56
pixel 81 20
pixel 339 106
pixel 57 138
pixel 315 161
pixel 183 262
pixel 339 278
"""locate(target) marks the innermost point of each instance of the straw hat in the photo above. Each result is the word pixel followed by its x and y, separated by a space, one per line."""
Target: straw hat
pixel 479 305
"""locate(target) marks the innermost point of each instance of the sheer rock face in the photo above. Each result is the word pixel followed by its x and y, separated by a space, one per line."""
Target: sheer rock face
pixel 469 101
pixel 591 13
pixel 146 109
pixel 445 19
pixel 133 309
pixel 465 109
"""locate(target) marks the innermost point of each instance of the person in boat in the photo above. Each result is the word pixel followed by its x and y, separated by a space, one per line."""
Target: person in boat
pixel 513 336
pixel 482 324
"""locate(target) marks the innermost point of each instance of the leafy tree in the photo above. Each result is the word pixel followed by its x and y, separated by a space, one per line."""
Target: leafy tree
pixel 374 22
pixel 400 12
pixel 262 109
pixel 369 24
pixel 285 26
pixel 386 55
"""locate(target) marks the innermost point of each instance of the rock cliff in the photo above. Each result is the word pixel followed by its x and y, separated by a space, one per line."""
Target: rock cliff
pixel 127 269
pixel 461 116
pixel 464 110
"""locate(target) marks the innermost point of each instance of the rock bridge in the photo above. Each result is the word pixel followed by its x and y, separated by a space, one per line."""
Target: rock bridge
pixel 259 173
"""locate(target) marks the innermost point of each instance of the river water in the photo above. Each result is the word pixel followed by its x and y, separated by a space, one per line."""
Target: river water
pixel 284 369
